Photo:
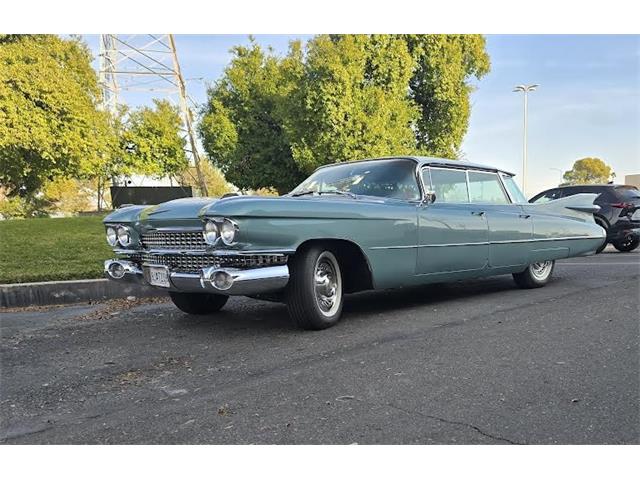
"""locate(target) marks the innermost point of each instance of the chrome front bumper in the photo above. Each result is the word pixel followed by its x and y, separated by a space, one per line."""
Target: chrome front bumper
pixel 249 281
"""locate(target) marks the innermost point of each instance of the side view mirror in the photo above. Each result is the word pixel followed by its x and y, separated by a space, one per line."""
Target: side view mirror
pixel 430 197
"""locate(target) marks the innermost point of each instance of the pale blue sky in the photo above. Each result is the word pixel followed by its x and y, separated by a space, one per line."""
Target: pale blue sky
pixel 588 102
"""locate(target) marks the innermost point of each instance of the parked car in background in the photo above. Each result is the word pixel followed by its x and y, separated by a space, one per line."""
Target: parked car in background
pixel 619 211
pixel 371 224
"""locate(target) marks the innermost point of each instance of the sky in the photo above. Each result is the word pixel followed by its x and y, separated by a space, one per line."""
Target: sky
pixel 587 105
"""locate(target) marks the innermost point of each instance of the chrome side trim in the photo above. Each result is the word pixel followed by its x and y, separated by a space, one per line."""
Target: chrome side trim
pixel 496 242
pixel 585 237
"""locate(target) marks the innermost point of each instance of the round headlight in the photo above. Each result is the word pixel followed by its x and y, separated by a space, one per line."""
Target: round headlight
pixel 228 231
pixel 124 237
pixel 210 232
pixel 112 236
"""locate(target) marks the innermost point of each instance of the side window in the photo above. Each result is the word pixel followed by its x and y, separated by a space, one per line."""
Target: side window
pixel 548 196
pixel 486 188
pixel 450 186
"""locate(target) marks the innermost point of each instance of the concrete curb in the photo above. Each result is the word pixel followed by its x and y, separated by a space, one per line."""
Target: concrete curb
pixel 16 295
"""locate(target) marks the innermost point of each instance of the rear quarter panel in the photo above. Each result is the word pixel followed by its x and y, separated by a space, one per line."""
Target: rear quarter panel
pixel 564 228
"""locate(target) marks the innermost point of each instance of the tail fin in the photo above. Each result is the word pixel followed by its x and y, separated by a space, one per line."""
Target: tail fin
pixel 579 206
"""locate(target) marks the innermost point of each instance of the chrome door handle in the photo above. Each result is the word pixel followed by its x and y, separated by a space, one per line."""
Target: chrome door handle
pixel 524 215
pixel 477 213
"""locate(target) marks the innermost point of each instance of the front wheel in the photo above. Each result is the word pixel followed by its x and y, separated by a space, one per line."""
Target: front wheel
pixel 628 243
pixel 198 303
pixel 535 275
pixel 315 295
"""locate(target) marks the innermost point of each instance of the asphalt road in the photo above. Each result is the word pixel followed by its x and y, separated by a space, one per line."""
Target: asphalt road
pixel 469 362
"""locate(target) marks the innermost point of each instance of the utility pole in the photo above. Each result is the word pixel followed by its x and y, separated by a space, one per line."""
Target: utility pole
pixel 188 117
pixel 525 89
pixel 147 64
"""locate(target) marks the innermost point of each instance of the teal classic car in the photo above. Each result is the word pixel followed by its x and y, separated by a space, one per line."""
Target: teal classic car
pixel 370 224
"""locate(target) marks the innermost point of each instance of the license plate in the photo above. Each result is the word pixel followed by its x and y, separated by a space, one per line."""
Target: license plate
pixel 158 276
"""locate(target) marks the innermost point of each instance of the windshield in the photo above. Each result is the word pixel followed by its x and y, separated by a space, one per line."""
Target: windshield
pixel 394 178
pixel 514 190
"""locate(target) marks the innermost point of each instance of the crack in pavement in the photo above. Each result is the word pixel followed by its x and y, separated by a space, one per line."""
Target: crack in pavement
pixel 454 422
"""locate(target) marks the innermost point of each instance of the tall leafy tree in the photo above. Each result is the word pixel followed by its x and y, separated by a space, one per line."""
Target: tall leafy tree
pixel 588 170
pixel 50 125
pixel 440 86
pixel 151 141
pixel 241 127
pixel 350 100
pixel 270 121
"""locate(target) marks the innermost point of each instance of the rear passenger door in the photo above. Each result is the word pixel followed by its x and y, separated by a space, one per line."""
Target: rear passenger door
pixel 510 229
pixel 453 234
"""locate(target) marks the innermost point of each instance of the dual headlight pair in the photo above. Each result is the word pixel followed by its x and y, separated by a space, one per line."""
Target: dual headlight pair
pixel 119 235
pixel 225 229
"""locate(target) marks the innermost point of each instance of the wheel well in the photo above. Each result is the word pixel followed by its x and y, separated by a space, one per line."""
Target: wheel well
pixel 597 217
pixel 354 266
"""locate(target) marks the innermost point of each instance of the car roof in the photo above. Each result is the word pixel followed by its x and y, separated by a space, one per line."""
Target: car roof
pixel 591 185
pixel 434 161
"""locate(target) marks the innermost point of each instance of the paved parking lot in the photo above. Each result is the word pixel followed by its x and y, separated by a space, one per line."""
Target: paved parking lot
pixel 469 362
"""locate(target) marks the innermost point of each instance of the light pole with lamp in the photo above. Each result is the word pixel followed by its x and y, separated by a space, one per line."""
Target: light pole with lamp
pixel 559 170
pixel 525 89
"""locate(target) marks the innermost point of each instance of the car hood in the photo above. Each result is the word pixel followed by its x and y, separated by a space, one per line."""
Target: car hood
pixel 187 211
pixel 317 206
pixel 180 209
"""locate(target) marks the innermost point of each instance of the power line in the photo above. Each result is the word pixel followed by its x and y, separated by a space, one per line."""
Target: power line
pixel 125 61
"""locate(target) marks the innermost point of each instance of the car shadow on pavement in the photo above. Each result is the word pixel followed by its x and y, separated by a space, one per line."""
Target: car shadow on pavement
pixel 255 316
pixel 425 295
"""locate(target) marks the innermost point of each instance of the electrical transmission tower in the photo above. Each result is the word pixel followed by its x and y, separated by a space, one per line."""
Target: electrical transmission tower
pixel 148 65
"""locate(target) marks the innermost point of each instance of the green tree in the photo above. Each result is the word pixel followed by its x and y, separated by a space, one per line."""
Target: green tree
pixel 440 86
pixel 50 125
pixel 151 141
pixel 350 100
pixel 588 170
pixel 270 121
pixel 241 128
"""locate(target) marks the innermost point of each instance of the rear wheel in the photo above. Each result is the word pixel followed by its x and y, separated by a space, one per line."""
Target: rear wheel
pixel 603 224
pixel 198 303
pixel 536 275
pixel 628 243
pixel 315 294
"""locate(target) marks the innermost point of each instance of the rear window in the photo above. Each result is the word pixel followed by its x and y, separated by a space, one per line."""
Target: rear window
pixel 628 193
pixel 583 189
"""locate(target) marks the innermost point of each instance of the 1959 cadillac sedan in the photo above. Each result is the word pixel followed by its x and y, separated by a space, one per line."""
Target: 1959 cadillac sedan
pixel 371 224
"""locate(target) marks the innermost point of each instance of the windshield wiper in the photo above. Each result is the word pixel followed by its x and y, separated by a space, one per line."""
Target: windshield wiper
pixel 304 192
pixel 327 192
pixel 341 192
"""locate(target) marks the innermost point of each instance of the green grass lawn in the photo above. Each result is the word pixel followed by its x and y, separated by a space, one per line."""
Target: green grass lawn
pixel 39 249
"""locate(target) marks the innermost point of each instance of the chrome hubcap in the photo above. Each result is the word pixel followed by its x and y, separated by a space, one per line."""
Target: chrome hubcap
pixel 328 284
pixel 541 270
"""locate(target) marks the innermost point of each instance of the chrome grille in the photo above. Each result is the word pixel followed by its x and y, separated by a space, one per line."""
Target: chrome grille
pixel 174 240
pixel 185 263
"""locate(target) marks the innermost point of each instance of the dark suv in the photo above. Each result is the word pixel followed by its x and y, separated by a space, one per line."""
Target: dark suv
pixel 619 211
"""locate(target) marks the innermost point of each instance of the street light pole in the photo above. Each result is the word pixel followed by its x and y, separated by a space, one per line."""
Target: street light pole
pixel 559 170
pixel 525 89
